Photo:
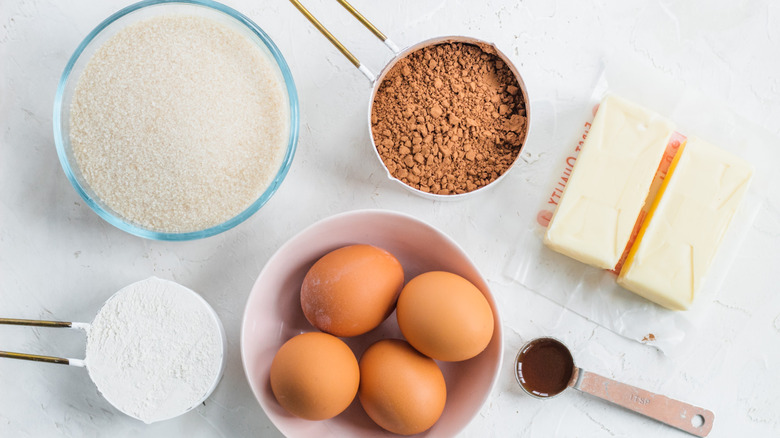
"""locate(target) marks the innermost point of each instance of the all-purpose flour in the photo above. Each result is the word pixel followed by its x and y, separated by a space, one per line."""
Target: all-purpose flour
pixel 154 350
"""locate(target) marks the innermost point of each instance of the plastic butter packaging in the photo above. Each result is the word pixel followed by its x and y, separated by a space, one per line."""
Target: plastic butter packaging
pixel 689 217
pixel 609 190
pixel 681 244
pixel 609 184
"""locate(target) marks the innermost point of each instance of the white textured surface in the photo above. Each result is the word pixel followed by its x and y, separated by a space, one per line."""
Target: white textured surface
pixel 58 260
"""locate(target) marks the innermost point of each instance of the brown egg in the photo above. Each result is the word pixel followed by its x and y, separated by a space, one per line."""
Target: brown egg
pixel 402 390
pixel 315 376
pixel 351 290
pixel 444 316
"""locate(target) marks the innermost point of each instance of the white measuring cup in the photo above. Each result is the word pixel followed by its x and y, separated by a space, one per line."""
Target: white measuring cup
pixel 181 294
pixel 398 54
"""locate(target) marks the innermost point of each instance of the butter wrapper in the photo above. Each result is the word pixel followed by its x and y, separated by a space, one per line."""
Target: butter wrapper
pixel 593 293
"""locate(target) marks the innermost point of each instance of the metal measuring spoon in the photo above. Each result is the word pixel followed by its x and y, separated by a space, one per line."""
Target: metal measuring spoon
pixel 544 368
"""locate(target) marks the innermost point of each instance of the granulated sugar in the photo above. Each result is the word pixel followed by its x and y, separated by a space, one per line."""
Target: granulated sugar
pixel 154 350
pixel 178 123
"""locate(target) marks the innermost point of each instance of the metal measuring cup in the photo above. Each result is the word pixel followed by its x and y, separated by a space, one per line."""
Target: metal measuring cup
pixel 562 374
pixel 85 327
pixel 399 54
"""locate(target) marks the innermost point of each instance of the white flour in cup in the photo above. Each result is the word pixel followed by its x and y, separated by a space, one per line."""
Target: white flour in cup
pixel 155 350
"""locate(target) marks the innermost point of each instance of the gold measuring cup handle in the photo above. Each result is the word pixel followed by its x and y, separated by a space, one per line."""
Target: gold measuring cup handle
pixel 363 69
pixel 39 323
pixel 47 359
pixel 364 21
pixel 658 407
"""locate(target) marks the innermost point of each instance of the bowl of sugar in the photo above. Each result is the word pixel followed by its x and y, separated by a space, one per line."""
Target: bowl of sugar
pixel 176 120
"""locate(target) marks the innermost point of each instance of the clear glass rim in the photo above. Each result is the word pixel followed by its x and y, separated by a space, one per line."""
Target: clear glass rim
pixel 137 230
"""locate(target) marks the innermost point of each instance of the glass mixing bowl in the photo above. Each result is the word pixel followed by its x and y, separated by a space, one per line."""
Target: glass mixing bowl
pixel 108 28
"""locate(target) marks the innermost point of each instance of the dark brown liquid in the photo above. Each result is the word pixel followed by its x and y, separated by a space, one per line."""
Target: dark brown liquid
pixel 545 367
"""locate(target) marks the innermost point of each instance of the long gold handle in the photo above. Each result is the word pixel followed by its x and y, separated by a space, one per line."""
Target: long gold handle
pixel 38 358
pixel 366 72
pixel 363 20
pixel 36 323
pixel 327 33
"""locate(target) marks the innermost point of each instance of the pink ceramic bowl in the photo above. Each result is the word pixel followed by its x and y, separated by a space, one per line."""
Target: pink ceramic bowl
pixel 273 315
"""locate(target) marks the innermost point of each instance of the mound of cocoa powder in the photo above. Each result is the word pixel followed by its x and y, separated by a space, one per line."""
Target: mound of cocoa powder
pixel 449 118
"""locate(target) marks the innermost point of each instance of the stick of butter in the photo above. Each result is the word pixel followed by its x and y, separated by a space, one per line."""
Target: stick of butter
pixel 681 234
pixel 609 183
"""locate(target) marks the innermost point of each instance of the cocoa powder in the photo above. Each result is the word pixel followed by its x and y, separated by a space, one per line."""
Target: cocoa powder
pixel 449 118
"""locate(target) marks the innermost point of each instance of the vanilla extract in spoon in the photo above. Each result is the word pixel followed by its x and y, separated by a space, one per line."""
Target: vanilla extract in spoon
pixel 544 368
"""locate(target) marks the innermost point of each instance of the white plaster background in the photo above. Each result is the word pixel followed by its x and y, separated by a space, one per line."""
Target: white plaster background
pixel 58 260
